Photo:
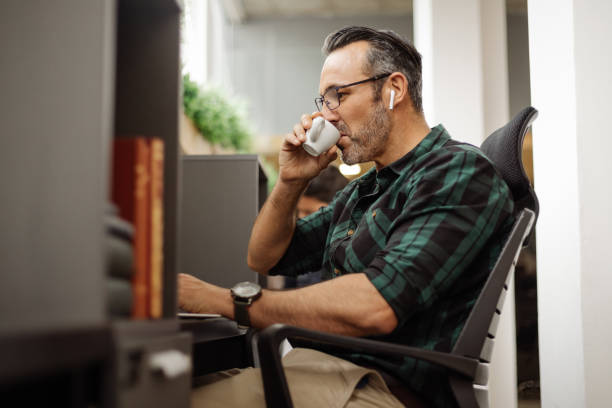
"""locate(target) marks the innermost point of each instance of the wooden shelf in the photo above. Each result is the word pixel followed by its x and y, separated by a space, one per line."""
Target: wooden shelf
pixel 148 6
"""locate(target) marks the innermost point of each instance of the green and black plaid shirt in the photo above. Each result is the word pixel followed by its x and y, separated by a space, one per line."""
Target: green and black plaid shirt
pixel 426 230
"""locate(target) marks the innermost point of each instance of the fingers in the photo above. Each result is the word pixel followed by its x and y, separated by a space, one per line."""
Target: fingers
pixel 299 129
pixel 292 140
pixel 316 114
pixel 306 120
pixel 300 132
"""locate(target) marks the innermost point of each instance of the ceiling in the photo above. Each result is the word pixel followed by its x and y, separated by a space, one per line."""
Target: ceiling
pixel 325 8
pixel 241 10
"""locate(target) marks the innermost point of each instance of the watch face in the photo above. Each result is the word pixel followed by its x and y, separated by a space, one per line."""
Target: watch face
pixel 246 289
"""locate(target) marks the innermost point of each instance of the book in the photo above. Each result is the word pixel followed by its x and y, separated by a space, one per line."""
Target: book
pixel 157 227
pixel 131 193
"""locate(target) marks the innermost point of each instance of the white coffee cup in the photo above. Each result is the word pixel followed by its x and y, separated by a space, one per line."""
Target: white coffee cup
pixel 321 136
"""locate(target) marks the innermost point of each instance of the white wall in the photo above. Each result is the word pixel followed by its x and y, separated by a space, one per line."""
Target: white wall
pixel 518 63
pixel 494 44
pixel 194 38
pixel 220 42
pixel 593 54
pixel 448 34
pixel 570 85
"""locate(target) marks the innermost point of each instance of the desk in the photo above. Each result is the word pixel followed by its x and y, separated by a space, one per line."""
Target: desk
pixel 218 344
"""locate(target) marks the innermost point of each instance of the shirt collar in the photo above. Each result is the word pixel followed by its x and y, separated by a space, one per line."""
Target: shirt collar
pixel 437 137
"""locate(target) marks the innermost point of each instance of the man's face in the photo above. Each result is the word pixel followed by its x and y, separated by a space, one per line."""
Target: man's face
pixel 363 121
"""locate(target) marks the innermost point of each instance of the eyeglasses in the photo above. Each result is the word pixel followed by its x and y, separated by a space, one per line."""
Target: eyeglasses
pixel 331 97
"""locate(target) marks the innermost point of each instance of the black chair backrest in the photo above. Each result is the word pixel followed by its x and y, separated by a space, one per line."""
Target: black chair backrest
pixel 504 149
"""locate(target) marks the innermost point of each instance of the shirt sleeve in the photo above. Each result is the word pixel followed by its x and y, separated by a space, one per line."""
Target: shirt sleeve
pixel 457 206
pixel 305 252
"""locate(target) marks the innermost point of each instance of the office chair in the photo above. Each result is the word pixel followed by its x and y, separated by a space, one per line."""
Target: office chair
pixel 467 363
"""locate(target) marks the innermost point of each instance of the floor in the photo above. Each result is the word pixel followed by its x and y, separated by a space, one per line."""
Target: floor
pixel 535 403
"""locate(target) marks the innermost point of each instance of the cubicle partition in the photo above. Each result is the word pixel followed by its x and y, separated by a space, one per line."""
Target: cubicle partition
pixel 221 196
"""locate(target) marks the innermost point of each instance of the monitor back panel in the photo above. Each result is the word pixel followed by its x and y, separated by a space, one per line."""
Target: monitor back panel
pixel 220 198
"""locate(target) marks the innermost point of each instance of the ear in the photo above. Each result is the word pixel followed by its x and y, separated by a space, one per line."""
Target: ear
pixel 396 90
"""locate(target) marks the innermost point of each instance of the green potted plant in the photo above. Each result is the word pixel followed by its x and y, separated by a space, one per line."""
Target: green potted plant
pixel 218 120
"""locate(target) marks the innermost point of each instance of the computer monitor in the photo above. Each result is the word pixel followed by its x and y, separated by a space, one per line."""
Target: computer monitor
pixel 220 198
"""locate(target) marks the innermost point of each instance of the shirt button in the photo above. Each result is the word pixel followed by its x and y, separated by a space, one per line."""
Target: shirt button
pixel 337 271
pixel 350 232
pixel 373 213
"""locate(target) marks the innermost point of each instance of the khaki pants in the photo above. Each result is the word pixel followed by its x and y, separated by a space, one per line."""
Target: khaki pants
pixel 315 380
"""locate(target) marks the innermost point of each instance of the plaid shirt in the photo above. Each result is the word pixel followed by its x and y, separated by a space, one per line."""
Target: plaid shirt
pixel 426 230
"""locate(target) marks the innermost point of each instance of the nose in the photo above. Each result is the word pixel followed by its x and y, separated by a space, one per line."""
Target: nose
pixel 330 115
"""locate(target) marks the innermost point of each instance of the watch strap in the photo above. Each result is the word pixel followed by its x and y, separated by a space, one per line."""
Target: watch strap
pixel 241 312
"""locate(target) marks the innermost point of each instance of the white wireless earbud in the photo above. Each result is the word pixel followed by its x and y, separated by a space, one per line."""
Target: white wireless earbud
pixel 391 99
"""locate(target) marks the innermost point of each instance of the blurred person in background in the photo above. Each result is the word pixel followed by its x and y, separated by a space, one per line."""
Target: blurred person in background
pixel 321 191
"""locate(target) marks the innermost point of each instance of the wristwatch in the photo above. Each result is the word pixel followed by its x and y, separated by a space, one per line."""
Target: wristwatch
pixel 244 294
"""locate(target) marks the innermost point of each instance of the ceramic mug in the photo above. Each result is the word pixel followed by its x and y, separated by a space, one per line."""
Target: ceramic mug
pixel 321 136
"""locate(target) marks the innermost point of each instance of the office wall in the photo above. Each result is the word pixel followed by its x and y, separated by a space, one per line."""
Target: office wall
pixel 518 62
pixel 593 90
pixel 275 65
pixel 219 46
pixel 570 68
pixel 251 60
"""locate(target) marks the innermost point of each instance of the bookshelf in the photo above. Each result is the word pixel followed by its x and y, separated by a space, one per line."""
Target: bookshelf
pixel 74 74
pixel 147 103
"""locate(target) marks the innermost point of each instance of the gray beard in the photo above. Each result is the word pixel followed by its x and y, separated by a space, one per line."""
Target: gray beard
pixel 369 141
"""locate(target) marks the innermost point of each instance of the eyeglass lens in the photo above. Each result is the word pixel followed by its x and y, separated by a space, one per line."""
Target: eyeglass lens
pixel 330 99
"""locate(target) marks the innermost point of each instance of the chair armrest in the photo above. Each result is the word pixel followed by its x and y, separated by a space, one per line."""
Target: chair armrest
pixel 275 383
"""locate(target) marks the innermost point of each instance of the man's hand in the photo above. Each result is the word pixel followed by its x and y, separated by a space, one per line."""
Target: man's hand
pixel 192 294
pixel 295 165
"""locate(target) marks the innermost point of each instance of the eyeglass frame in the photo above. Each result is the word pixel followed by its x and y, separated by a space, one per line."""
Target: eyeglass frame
pixel 321 98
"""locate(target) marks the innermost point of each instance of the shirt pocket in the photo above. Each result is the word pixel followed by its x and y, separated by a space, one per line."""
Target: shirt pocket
pixel 373 232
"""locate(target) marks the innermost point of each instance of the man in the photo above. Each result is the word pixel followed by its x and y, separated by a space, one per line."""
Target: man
pixel 406 248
